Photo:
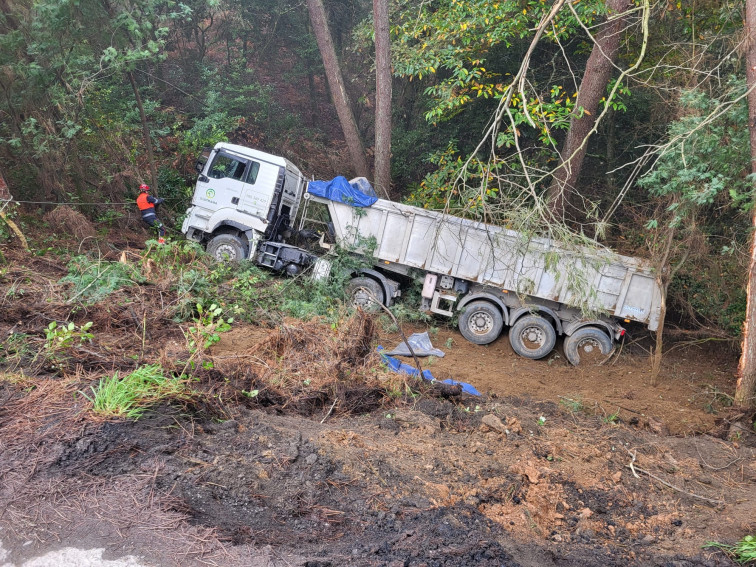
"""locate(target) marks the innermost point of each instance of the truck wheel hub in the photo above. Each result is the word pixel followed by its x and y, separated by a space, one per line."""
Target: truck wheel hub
pixel 361 297
pixel 532 336
pixel 226 250
pixel 481 323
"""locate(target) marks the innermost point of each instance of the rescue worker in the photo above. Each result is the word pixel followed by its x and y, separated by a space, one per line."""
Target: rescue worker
pixel 146 204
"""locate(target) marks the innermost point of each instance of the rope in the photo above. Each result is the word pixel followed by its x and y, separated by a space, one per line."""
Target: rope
pixel 69 202
pixel 6 202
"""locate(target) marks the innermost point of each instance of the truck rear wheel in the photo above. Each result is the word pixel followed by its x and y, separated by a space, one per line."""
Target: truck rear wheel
pixel 588 345
pixel 363 292
pixel 532 337
pixel 227 248
pixel 481 322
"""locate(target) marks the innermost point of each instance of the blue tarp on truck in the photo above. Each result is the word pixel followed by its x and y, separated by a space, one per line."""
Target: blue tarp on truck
pixel 342 191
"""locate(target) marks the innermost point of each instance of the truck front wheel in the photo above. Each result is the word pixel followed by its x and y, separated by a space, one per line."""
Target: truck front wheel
pixel 227 248
pixel 481 322
pixel 364 292
pixel 588 345
pixel 532 337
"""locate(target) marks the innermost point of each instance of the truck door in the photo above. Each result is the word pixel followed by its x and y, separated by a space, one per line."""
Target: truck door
pixel 259 189
pixel 292 192
pixel 224 182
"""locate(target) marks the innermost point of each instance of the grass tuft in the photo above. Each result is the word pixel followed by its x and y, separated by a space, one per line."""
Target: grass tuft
pixel 131 395
pixel 743 552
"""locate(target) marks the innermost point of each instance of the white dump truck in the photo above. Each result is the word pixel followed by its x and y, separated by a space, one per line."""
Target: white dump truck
pixel 246 203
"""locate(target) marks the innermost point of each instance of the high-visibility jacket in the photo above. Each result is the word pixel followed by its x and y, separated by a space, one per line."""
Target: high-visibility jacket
pixel 146 204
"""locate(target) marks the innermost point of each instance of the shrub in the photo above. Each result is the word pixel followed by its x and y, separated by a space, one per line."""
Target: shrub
pixel 94 280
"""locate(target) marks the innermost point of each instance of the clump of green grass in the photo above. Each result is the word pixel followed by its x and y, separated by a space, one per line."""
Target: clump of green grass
pixel 130 396
pixel 574 405
pixel 743 552
pixel 93 280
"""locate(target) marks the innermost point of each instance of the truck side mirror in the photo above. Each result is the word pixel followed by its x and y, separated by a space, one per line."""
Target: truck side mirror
pixel 199 165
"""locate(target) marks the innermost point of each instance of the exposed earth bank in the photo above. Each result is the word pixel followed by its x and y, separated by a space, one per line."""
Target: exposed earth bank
pixel 553 465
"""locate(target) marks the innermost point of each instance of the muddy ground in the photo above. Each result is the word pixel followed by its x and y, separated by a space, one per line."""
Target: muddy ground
pixel 329 460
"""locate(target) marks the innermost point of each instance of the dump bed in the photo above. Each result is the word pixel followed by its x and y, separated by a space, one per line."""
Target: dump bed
pixel 594 280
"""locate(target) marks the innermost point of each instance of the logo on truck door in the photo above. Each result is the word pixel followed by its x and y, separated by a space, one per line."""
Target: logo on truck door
pixel 210 193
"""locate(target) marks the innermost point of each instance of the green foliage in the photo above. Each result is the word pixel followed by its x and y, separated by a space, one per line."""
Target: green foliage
pixel 191 286
pixel 550 112
pixel 707 161
pixel 176 191
pixel 129 397
pixel 66 109
pixel 61 337
pixel 611 418
pixel 15 349
pixel 208 324
pixel 405 311
pixel 704 177
pixel 574 405
pixel 233 96
pixel 454 41
pixel 617 103
pixel 440 189
pixel 241 289
pixel 305 298
pixel 743 552
pixel 206 132
pixel 94 280
pixel 714 293
pixel 204 333
pixel 177 255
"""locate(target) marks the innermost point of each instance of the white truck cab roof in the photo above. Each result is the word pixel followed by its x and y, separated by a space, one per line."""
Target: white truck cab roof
pixel 255 154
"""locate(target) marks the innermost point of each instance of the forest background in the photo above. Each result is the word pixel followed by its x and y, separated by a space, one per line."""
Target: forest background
pixel 622 122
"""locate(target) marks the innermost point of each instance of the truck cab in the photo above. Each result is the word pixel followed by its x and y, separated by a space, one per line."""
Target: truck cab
pixel 242 197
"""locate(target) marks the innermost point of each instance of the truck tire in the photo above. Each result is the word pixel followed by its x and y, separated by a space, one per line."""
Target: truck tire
pixel 227 248
pixel 361 291
pixel 532 337
pixel 589 345
pixel 481 322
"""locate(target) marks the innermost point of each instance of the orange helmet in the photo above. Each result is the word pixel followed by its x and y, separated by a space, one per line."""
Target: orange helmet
pixel 144 187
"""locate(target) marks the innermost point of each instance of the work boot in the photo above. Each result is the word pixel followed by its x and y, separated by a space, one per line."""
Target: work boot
pixel 161 240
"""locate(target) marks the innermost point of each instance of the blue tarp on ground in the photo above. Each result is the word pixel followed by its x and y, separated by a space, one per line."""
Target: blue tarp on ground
pixel 340 190
pixel 397 366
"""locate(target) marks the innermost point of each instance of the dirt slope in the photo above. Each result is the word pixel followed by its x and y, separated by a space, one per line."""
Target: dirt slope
pixel 552 466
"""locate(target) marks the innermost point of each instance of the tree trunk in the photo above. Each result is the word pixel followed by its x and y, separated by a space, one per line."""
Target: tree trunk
pixel 337 87
pixel 745 390
pixel 382 98
pixel 598 71
pixel 6 196
pixel 145 134
pixel 664 274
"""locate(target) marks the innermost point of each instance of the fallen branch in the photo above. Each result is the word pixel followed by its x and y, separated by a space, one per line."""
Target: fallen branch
pixel 333 405
pixel 14 227
pixel 633 468
pixel 621 407
pixel 102 273
pixel 7 198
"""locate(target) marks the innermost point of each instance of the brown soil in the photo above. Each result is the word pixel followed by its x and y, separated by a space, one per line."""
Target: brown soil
pixel 332 461
pixel 688 398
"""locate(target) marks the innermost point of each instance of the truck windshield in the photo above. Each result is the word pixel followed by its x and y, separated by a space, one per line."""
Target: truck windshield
pixel 226 166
